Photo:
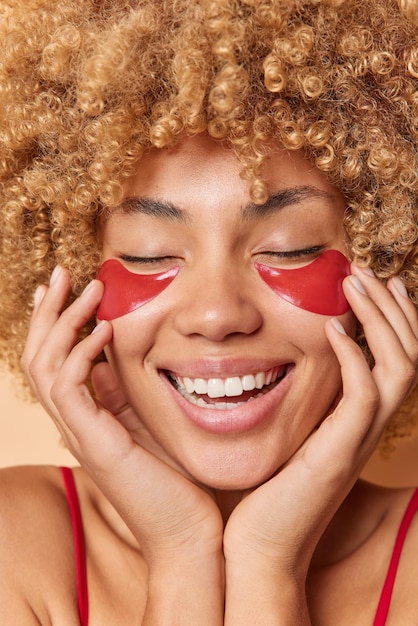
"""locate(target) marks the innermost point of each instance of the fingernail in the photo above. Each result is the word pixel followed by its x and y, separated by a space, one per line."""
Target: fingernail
pixel 54 275
pixel 87 288
pixel 357 284
pixel 98 326
pixel 38 296
pixel 338 326
pixel 368 271
pixel 400 286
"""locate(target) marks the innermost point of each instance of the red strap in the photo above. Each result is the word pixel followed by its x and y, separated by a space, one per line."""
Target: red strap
pixel 386 595
pixel 80 548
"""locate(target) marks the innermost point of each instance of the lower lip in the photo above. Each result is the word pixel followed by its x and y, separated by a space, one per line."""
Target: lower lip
pixel 245 417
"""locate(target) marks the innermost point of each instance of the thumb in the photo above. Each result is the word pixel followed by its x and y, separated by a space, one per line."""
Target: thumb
pixel 107 389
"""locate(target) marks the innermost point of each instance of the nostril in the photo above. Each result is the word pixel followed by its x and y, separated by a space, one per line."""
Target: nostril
pixel 218 319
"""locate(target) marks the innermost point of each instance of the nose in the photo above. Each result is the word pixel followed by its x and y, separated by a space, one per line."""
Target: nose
pixel 217 305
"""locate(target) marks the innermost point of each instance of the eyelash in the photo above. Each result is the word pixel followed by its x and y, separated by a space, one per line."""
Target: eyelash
pixel 147 260
pixel 295 254
pixel 286 254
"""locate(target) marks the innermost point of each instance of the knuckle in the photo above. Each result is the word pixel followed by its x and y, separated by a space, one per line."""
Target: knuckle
pixel 414 355
pixel 58 391
pixel 26 359
pixel 38 372
pixel 34 373
pixel 32 369
pixel 407 372
pixel 370 398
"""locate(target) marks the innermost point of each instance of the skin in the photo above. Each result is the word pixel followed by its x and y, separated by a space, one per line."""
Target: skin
pixel 236 325
pixel 316 287
pixel 262 509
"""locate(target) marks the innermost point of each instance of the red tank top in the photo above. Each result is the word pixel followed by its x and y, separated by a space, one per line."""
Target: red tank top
pixel 81 567
pixel 386 595
pixel 79 545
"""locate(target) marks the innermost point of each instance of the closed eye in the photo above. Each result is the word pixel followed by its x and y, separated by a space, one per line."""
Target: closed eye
pixel 291 259
pixel 294 254
pixel 149 264
pixel 145 260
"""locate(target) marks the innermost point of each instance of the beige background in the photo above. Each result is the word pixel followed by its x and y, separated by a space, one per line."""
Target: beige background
pixel 27 434
pixel 28 437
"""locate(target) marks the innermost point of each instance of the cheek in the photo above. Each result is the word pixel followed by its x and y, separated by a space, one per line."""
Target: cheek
pixel 316 287
pixel 134 335
pixel 125 291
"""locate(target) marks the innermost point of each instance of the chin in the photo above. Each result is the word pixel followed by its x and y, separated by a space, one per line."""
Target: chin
pixel 230 476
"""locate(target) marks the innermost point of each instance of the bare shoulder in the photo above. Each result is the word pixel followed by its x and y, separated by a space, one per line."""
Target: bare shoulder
pixel 31 499
pixel 395 541
pixel 354 557
pixel 404 601
pixel 36 545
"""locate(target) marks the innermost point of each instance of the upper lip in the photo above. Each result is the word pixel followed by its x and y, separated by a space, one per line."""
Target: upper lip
pixel 223 369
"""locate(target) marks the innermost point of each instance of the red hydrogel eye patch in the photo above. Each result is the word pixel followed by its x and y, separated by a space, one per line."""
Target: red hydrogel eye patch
pixel 125 291
pixel 316 287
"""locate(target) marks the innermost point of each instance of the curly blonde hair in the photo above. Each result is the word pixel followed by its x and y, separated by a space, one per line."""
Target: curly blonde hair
pixel 87 86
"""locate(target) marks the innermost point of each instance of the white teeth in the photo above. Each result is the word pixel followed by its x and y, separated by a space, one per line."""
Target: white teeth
pixel 233 387
pixel 260 380
pixel 189 384
pixel 216 405
pixel 248 382
pixel 201 386
pixel 228 387
pixel 216 388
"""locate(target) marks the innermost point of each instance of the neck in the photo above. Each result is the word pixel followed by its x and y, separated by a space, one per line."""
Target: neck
pixel 356 520
pixel 227 501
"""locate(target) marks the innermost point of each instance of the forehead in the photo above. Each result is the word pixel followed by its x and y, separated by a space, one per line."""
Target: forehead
pixel 202 169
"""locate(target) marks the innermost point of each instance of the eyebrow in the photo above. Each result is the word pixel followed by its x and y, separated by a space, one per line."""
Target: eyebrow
pixel 284 198
pixel 155 208
pixel 278 200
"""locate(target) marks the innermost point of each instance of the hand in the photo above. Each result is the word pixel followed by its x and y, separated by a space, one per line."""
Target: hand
pixel 177 524
pixel 273 532
pixel 167 513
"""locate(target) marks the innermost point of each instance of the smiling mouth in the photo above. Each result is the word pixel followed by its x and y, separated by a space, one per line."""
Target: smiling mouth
pixel 227 393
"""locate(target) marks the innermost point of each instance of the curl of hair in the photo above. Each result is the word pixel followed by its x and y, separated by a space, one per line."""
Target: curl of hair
pixel 87 87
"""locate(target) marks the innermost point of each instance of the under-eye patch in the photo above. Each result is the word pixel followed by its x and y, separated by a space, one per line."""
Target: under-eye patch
pixel 125 291
pixel 316 287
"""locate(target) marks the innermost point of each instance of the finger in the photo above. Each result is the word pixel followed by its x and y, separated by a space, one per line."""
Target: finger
pixel 107 389
pixel 77 411
pixel 395 304
pixel 59 336
pixel 48 304
pixel 40 292
pixel 102 443
pixel 355 413
pixel 71 379
pixel 389 336
pixel 397 288
pixel 400 293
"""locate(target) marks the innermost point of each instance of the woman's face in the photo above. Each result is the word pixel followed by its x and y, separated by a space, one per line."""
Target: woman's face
pixel 218 328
